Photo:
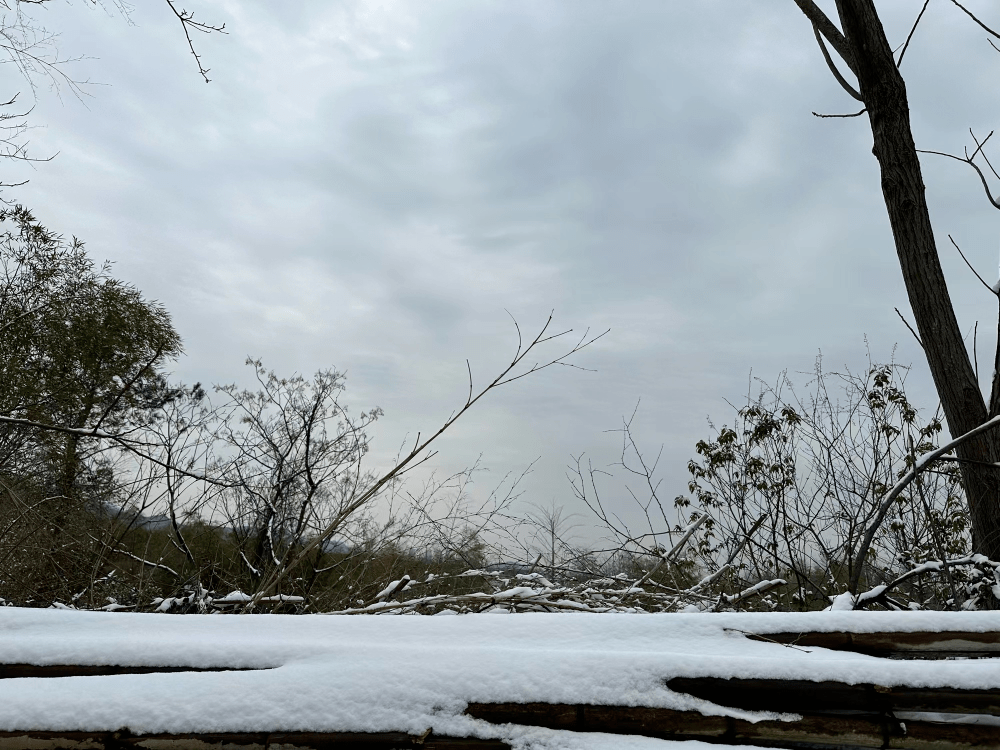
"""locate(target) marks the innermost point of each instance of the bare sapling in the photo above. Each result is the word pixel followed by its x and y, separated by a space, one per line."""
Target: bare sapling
pixel 420 453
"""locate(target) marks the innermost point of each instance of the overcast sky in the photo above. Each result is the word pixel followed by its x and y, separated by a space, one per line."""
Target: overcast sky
pixel 370 185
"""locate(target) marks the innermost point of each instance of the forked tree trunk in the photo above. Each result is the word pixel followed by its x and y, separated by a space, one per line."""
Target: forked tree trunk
pixel 884 95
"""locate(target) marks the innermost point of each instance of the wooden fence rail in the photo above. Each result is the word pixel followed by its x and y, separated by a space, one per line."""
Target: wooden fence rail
pixel 943 645
pixel 240 741
pixel 814 731
pixel 834 715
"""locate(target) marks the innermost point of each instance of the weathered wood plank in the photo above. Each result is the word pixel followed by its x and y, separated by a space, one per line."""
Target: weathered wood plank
pixel 832 730
pixel 53 740
pixel 240 741
pixel 825 731
pixel 898 645
pixel 803 696
pixel 550 715
pixel 932 736
pixel 654 722
pixel 651 722
pixel 386 741
pixel 861 731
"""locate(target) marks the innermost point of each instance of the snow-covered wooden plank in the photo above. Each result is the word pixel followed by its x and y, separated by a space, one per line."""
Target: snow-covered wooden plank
pixel 946 644
pixel 802 696
pixel 240 741
pixel 15 671
pixel 848 730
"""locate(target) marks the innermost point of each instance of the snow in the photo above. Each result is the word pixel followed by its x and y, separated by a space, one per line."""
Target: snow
pixel 394 588
pixel 236 597
pixel 843 602
pixel 850 602
pixel 410 673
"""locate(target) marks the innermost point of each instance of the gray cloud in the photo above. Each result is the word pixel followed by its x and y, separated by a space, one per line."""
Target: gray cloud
pixel 371 184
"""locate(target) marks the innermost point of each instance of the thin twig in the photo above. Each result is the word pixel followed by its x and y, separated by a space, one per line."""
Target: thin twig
pixel 855 114
pixel 967 160
pixel 187 23
pixel 906 323
pixel 901 485
pixel 287 564
pixel 975 349
pixel 970 15
pixel 981 280
pixel 899 62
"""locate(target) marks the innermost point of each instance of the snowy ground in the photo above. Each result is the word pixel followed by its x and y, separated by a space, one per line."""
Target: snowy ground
pixel 411 673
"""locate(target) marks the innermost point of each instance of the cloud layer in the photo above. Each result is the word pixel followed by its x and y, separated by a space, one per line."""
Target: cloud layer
pixel 371 185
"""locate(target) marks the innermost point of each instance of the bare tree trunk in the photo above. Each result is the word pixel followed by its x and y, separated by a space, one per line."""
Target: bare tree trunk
pixel 884 94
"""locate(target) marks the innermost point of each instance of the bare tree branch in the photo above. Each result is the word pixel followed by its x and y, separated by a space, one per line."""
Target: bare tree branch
pixel 920 465
pixel 288 564
pixel 969 160
pixel 853 114
pixel 825 26
pixel 982 25
pixel 909 36
pixel 130 445
pixel 907 324
pixel 833 68
pixel 981 280
pixel 188 23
